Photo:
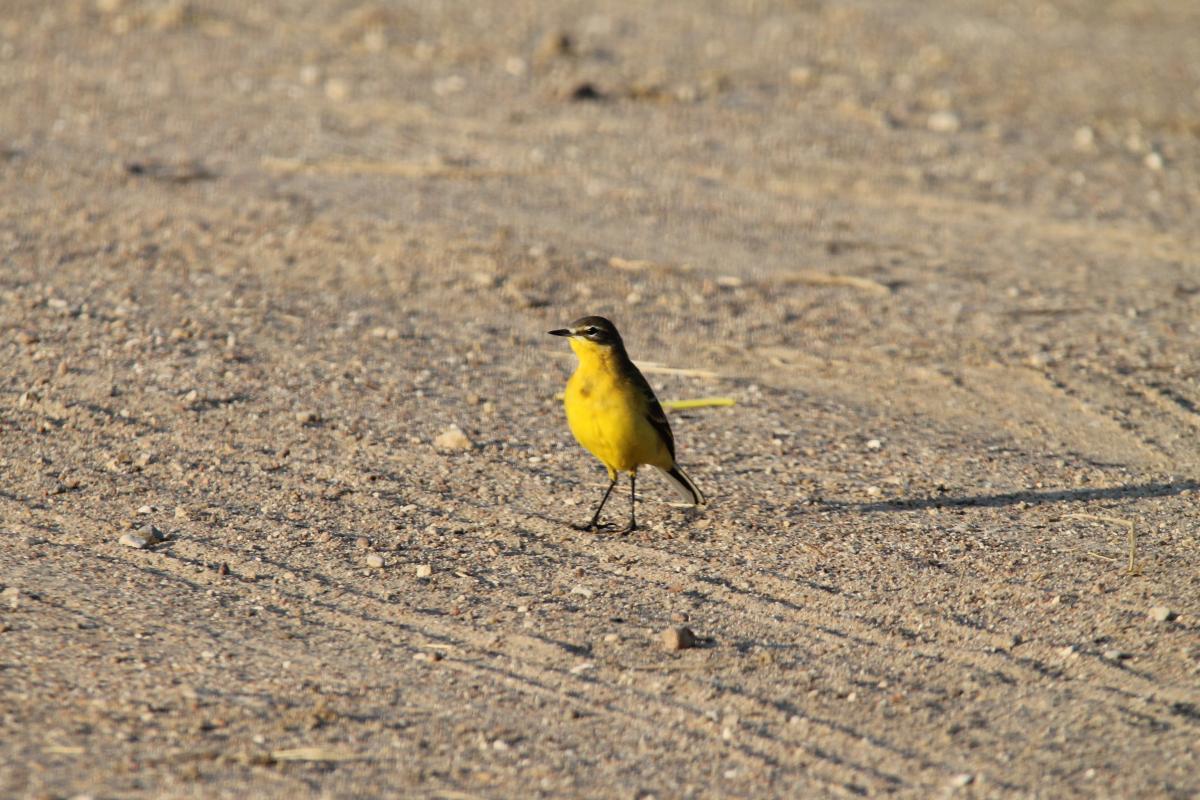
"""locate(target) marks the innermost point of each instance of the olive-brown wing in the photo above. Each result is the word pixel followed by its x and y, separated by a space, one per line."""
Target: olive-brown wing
pixel 654 410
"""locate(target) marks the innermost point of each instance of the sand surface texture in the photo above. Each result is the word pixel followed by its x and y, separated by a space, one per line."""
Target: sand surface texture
pixel 258 258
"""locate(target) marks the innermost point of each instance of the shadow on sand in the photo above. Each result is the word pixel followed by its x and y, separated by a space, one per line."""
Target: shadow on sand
pixel 1130 491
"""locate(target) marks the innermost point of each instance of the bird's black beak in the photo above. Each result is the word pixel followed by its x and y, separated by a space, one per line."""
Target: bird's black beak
pixel 560 332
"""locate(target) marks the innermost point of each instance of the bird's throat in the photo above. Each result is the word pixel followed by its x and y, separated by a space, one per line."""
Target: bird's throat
pixel 595 356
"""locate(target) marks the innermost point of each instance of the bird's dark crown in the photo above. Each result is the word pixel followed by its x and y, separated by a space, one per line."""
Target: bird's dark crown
pixel 597 330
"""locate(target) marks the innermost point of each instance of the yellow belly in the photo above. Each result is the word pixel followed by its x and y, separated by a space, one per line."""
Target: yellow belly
pixel 609 419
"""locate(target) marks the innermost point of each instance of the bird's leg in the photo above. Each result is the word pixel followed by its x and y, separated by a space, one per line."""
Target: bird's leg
pixel 632 503
pixel 591 526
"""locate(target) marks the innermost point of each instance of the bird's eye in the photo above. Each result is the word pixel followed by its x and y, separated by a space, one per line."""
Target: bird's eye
pixel 592 331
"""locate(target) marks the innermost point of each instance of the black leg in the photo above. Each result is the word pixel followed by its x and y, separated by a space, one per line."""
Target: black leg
pixel 632 504
pixel 591 526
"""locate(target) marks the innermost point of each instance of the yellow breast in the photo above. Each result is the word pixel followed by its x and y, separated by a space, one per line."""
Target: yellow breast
pixel 607 415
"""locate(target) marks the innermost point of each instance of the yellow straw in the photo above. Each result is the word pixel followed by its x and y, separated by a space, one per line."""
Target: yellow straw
pixel 699 402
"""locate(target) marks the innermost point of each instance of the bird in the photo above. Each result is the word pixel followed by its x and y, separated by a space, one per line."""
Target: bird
pixel 613 413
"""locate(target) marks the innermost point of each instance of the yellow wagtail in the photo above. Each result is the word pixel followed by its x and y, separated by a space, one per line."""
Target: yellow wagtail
pixel 613 413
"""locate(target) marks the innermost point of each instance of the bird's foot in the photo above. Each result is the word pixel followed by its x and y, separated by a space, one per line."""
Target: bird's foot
pixel 628 529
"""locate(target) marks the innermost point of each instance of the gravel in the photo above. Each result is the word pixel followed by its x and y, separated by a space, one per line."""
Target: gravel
pixel 274 297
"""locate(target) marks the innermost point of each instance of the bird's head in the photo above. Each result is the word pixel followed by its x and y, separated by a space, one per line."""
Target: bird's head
pixel 592 335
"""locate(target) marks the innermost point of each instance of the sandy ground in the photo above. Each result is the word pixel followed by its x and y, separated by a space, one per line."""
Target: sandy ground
pixel 256 257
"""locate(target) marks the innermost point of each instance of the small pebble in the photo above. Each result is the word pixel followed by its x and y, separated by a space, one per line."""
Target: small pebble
pixel 553 44
pixel 134 540
pixel 961 780
pixel 1039 360
pixel 424 570
pixel 675 639
pixel 874 444
pixel 584 92
pixel 337 89
pixel 1162 614
pixel 11 595
pixel 1007 641
pixel 452 439
pixel 142 538
pixel 801 75
pixel 223 569
pixel 1116 655
pixel 310 75
pixel 306 417
pixel 362 543
pixel 146 510
pixel 943 122
pixel 451 84
pixel 374 560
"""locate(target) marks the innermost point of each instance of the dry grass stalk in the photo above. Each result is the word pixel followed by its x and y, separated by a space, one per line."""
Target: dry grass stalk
pixel 1131 568
pixel 699 402
pixel 360 166
pixel 316 753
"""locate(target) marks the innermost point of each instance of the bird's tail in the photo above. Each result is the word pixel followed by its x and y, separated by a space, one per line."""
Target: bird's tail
pixel 683 485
